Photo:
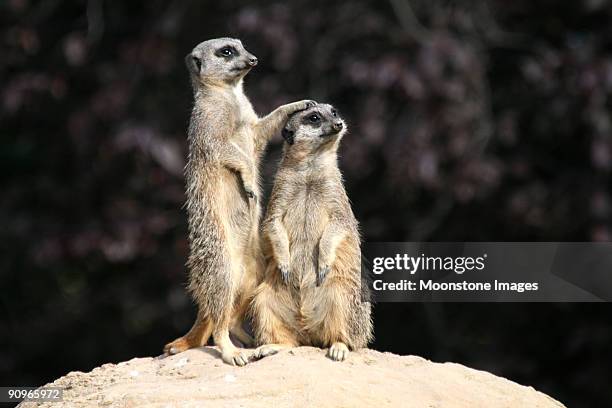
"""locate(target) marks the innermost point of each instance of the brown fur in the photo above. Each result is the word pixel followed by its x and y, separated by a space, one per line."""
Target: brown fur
pixel 312 292
pixel 226 142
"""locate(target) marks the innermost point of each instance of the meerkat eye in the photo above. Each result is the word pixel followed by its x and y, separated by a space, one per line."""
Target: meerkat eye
pixel 226 51
pixel 314 118
pixel 334 113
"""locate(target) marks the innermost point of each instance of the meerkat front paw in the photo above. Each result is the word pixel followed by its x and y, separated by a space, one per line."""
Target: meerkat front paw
pixel 301 105
pixel 338 351
pixel 283 268
pixel 322 274
pixel 250 193
pixel 308 104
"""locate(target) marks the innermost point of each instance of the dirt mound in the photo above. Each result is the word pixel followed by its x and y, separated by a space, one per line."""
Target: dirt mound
pixel 302 377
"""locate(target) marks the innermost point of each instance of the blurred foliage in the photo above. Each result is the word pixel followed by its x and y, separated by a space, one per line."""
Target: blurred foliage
pixel 468 121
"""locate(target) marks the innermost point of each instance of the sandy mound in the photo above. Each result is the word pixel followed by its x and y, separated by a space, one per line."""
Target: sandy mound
pixel 302 377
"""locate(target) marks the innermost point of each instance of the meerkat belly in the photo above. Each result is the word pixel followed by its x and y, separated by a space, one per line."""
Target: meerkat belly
pixel 240 218
pixel 232 199
pixel 305 222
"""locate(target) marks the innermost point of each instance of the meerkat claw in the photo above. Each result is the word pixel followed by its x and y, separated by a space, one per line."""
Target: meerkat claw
pixel 250 194
pixel 240 360
pixel 237 358
pixel 322 273
pixel 305 104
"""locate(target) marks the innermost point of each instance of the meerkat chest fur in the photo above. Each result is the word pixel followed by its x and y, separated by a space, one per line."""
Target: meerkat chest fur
pixel 316 193
pixel 308 211
pixel 244 118
pixel 237 113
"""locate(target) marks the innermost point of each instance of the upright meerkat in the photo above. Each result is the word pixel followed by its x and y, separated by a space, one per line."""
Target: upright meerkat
pixel 226 142
pixel 312 293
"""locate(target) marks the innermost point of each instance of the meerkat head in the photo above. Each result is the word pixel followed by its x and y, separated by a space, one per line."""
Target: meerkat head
pixel 219 61
pixel 315 128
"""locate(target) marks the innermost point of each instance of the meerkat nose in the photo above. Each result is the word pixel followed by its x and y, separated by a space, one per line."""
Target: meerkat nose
pixel 338 126
pixel 253 61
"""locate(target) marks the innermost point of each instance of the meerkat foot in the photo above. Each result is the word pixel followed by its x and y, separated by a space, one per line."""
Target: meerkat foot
pixel 267 350
pixel 235 357
pixel 177 346
pixel 338 351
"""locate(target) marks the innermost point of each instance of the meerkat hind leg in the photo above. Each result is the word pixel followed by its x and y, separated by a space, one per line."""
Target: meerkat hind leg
pixel 242 335
pixel 326 318
pixel 272 309
pixel 241 311
pixel 197 336
pixel 229 353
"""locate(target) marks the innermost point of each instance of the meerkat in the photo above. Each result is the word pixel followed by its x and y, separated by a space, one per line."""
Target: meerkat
pixel 312 292
pixel 226 141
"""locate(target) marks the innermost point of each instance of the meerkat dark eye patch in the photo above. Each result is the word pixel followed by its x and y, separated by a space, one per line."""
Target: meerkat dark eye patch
pixel 334 113
pixel 313 118
pixel 226 52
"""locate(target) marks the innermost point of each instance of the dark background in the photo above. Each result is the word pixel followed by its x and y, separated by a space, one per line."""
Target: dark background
pixel 468 121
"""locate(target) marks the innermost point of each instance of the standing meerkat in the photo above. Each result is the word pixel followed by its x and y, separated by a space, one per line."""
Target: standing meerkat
pixel 226 142
pixel 312 292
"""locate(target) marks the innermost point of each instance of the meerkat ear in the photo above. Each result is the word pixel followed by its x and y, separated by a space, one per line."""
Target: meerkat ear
pixel 288 135
pixel 194 64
